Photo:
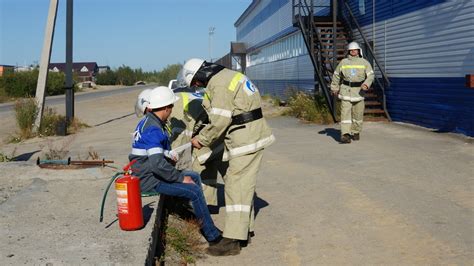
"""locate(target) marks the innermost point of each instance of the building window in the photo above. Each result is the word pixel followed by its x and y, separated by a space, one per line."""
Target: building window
pixel 84 69
pixel 362 7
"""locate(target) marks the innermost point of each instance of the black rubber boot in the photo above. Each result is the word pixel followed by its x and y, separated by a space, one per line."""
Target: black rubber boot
pixel 356 137
pixel 346 138
pixel 225 247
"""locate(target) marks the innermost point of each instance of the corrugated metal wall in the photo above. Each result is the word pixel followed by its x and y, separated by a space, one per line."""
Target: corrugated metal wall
pixel 266 25
pixel 426 48
pixel 277 77
pixel 268 19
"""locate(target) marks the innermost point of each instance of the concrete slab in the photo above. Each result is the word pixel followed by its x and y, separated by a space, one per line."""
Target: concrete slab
pixel 402 195
pixel 55 219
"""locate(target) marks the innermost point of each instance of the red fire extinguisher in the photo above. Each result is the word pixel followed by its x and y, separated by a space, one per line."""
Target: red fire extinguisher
pixel 129 201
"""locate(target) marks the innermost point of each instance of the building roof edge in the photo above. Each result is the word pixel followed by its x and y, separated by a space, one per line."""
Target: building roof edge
pixel 246 12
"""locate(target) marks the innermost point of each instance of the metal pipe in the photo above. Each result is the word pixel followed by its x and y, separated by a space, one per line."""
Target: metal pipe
pixel 69 60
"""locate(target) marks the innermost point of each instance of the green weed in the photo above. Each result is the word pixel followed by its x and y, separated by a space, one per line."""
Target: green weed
pixel 183 241
pixel 309 108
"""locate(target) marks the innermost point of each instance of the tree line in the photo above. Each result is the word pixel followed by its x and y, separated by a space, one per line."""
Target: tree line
pixel 23 84
pixel 125 75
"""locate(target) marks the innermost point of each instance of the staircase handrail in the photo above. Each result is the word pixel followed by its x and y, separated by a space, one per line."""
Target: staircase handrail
pixel 354 20
pixel 321 80
pixel 384 74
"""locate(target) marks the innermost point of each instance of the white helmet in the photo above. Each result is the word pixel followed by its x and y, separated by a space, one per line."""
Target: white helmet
pixel 186 74
pixel 354 46
pixel 161 96
pixel 142 103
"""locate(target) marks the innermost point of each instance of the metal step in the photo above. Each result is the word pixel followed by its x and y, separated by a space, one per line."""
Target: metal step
pixel 375 119
pixel 327 22
pixel 338 28
pixel 339 50
pixel 374 111
pixel 330 39
pixel 330 44
pixel 373 103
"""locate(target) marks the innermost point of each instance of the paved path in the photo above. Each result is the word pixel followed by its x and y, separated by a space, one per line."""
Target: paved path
pixel 402 195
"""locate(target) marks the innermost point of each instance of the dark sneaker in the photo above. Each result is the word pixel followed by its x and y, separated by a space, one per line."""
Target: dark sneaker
pixel 225 247
pixel 346 138
pixel 215 241
pixel 356 136
pixel 245 243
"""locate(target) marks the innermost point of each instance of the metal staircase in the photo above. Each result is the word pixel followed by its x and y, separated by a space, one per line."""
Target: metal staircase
pixel 326 38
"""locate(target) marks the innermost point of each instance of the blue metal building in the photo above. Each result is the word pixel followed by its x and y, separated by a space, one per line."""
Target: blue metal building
pixel 424 47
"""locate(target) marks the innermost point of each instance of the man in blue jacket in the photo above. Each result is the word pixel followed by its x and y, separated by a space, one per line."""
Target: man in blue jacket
pixel 154 161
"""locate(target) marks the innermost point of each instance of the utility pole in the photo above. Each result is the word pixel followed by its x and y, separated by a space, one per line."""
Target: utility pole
pixel 69 61
pixel 44 64
pixel 211 32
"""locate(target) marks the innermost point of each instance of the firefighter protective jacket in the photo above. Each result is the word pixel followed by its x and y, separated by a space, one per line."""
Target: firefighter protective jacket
pixel 352 69
pixel 230 93
pixel 150 147
pixel 187 118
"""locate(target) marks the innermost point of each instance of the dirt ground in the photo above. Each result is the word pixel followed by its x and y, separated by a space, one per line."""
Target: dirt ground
pixel 402 195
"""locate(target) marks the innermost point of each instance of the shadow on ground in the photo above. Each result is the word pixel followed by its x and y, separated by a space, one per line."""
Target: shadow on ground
pixel 331 132
pixel 25 156
pixel 114 119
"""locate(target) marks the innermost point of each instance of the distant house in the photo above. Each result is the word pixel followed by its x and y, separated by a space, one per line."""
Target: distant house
pixel 85 71
pixel 103 69
pixel 5 69
pixel 24 68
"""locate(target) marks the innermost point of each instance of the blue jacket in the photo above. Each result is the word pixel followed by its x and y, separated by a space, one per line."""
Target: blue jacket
pixel 150 143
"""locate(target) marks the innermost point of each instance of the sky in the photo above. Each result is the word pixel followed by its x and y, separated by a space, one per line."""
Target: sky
pixel 147 34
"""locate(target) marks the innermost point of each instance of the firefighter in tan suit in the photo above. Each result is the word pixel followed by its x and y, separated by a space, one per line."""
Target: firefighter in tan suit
pixel 187 118
pixel 357 76
pixel 234 108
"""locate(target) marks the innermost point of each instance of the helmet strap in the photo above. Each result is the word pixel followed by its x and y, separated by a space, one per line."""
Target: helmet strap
pixel 206 72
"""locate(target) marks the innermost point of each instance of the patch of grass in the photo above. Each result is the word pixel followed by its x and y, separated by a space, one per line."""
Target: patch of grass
pixel 183 241
pixel 7 158
pixel 309 108
pixel 273 99
pixel 25 113
pixel 91 154
pixel 76 125
pixel 50 122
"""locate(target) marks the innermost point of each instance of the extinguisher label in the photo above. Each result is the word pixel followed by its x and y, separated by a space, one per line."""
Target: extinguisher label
pixel 122 197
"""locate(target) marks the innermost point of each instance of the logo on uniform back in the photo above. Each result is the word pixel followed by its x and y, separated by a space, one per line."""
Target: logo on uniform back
pixel 136 136
pixel 250 88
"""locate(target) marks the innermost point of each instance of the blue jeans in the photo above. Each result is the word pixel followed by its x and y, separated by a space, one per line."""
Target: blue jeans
pixel 195 195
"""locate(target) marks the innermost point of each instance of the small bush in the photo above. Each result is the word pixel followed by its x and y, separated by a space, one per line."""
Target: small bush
pixel 75 125
pixel 309 108
pixel 25 113
pixel 50 122
pixel 23 84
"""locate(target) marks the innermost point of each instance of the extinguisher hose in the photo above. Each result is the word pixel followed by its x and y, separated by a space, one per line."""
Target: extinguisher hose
pixel 105 195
